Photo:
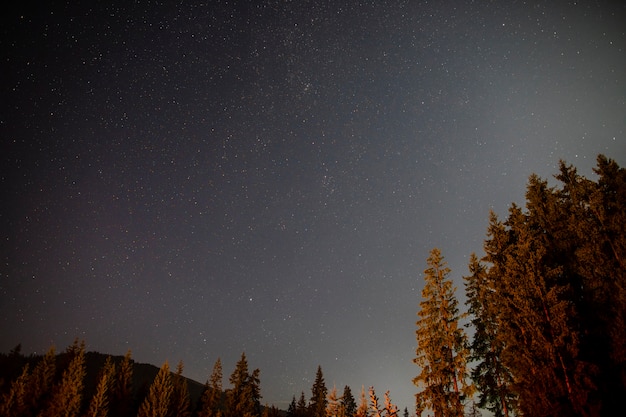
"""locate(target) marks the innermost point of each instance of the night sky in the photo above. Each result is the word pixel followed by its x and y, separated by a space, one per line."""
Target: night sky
pixel 192 181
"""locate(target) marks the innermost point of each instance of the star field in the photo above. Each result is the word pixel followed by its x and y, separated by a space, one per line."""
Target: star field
pixel 191 181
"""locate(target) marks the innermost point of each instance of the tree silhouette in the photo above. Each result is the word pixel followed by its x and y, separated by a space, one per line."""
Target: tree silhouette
pixel 348 403
pixel 180 404
pixel 317 406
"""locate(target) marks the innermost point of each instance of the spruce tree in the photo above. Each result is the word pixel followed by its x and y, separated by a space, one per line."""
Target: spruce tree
pixel 41 381
pixel 317 407
pixel 99 404
pixel 388 410
pixel 302 409
pixel 491 378
pixel 348 403
pixel 243 399
pixel 442 350
pixel 121 398
pixel 67 394
pixel 211 400
pixel 14 402
pixel 180 404
pixel 156 404
pixel 363 409
pixel 333 404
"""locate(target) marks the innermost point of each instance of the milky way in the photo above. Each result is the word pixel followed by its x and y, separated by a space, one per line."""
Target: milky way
pixel 194 181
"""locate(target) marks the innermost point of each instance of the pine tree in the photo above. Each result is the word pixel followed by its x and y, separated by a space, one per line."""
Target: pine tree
pixel 348 403
pixel 291 410
pixel 491 378
pixel 319 391
pixel 121 397
pixel 211 399
pixel 244 397
pixel 333 405
pixel 442 351
pixel 156 404
pixel 389 409
pixel 99 404
pixel 180 404
pixel 14 402
pixel 67 394
pixel 302 409
pixel 40 383
pixel 363 409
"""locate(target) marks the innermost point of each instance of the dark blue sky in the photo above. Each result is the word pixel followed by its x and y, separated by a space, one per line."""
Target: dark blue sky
pixel 191 181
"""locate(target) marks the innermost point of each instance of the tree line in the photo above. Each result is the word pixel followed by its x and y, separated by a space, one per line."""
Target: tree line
pixel 546 308
pixel 56 387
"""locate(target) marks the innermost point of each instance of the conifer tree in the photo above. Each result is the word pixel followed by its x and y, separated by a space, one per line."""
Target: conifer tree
pixel 302 409
pixel 156 404
pixel 558 284
pixel 333 404
pixel 291 410
pixel 348 403
pixel 244 396
pixel 388 410
pixel 180 404
pixel 121 398
pixel 41 381
pixel 14 402
pixel 491 378
pixel 99 404
pixel 442 351
pixel 67 394
pixel 211 400
pixel 319 391
pixel 363 409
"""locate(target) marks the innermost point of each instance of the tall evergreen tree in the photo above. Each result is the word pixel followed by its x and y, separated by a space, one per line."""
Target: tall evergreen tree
pixel 180 404
pixel 491 378
pixel 302 409
pixel 363 409
pixel 157 403
pixel 557 277
pixel 41 381
pixel 99 404
pixel 442 351
pixel 348 402
pixel 291 410
pixel 243 399
pixel 67 394
pixel 333 404
pixel 121 397
pixel 211 400
pixel 14 402
pixel 319 391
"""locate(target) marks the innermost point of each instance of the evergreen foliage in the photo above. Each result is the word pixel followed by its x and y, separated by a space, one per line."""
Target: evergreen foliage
pixel 156 404
pixel 388 410
pixel 442 351
pixel 99 404
pixel 67 394
pixel 348 403
pixel 122 388
pixel 318 404
pixel 244 398
pixel 549 299
pixel 180 404
pixel 211 400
